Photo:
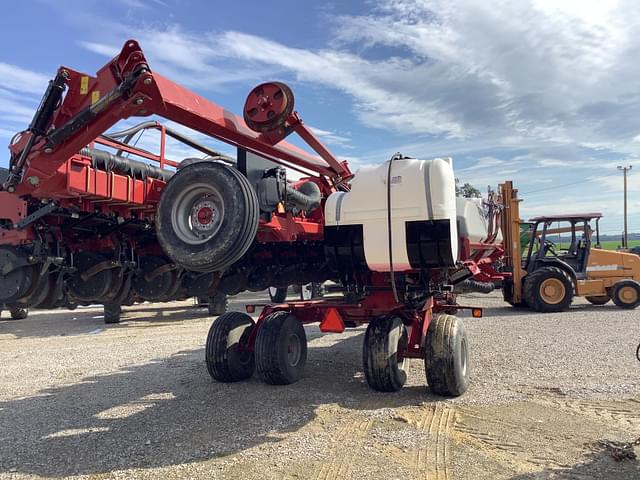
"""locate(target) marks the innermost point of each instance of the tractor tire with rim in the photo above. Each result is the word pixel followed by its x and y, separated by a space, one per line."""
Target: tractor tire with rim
pixel 278 294
pixel 626 294
pixel 446 356
pixel 226 360
pixel 548 289
pixel 598 299
pixel 207 217
pixel 281 349
pixel 112 313
pixel 217 305
pixel 384 368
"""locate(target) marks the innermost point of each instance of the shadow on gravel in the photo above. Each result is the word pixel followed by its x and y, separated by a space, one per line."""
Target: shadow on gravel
pixel 170 412
pixel 509 311
pixel 83 321
pixel 596 465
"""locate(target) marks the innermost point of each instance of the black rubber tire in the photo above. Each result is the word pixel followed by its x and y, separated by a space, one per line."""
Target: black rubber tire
pixel 226 362
pixel 237 230
pixel 18 313
pixel 446 356
pixel 531 290
pixel 384 370
pixel 112 313
pixel 273 363
pixel 598 300
pixel 280 295
pixel 217 305
pixel 617 294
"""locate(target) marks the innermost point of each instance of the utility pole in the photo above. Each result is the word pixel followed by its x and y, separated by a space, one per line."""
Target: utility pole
pixel 625 238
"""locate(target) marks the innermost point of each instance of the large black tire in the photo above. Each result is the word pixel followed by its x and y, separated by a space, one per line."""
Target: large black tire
pixel 228 227
pixel 226 360
pixel 278 295
pixel 598 300
pixel 446 356
pixel 217 305
pixel 548 289
pixel 281 349
pixel 626 294
pixel 112 313
pixel 385 340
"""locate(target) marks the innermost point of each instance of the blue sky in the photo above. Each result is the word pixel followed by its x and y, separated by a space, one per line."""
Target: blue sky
pixel 539 91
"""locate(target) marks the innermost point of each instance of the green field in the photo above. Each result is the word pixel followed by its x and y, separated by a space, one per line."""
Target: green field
pixel 613 244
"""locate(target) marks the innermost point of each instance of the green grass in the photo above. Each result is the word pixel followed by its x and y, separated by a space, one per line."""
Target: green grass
pixel 613 244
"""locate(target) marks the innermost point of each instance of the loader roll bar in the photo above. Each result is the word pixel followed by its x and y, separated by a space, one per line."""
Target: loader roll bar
pixel 126 87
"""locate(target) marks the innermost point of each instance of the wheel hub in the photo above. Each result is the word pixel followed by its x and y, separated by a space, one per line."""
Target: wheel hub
pixel 552 291
pixel 203 215
pixel 628 294
pixel 197 214
pixel 294 350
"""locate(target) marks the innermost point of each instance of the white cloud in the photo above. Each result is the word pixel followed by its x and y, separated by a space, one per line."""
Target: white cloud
pixel 332 137
pixel 19 79
pixel 550 162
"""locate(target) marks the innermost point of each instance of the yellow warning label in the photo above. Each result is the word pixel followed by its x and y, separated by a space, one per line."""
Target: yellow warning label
pixel 84 85
pixel 95 96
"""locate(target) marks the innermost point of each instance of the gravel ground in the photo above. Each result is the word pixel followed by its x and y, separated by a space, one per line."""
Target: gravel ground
pixel 84 400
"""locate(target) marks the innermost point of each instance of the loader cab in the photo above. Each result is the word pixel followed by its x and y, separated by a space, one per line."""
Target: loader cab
pixel 563 241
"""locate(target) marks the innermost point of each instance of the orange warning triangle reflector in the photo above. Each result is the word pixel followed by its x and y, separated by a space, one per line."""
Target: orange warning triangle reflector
pixel 332 321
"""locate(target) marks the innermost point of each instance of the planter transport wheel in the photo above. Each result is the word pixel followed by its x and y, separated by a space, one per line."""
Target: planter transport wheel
pixel 217 305
pixel 207 217
pixel 384 367
pixel 227 359
pixel 112 313
pixel 446 356
pixel 281 349
pixel 18 313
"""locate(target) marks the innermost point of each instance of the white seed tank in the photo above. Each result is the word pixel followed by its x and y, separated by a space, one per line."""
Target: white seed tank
pixel 423 217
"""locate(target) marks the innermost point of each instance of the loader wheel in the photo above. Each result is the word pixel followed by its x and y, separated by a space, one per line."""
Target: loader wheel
pixel 207 217
pixel 598 300
pixel 278 295
pixel 217 305
pixel 281 349
pixel 112 312
pixel 446 356
pixel 384 367
pixel 626 294
pixel 227 359
pixel 18 313
pixel 548 289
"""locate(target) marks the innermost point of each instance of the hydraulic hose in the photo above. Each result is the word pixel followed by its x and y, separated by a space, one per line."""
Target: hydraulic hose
pixel 114 163
pixel 471 285
pixel 306 197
